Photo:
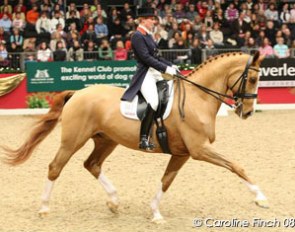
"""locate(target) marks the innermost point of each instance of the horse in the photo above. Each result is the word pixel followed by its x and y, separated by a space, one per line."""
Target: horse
pixel 94 113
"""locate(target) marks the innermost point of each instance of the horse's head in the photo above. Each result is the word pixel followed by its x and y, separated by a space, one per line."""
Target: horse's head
pixel 245 86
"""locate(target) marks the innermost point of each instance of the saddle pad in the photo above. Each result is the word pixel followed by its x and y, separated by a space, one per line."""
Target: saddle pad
pixel 129 109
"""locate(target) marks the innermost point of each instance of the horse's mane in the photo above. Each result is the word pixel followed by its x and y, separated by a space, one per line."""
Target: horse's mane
pixel 216 57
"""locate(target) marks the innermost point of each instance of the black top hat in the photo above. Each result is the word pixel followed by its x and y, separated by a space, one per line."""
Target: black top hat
pixel 145 12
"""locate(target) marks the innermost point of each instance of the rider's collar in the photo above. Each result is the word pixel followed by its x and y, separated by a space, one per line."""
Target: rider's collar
pixel 143 30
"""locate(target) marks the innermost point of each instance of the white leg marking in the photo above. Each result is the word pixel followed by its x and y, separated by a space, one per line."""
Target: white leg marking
pixel 45 197
pixel 109 188
pixel 155 205
pixel 256 190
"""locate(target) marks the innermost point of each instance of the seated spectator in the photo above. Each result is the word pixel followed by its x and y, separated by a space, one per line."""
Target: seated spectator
pixel 4 36
pixel 260 38
pixel 16 37
pixel 88 35
pixel 161 42
pixel 181 53
pixel 58 8
pixel 56 19
pixel 56 38
pixel 6 11
pixel 47 6
pixel 203 36
pixel 18 9
pixel 31 18
pixel 4 62
pixel 90 51
pixel 120 52
pixel 266 49
pixel 20 5
pixel 126 10
pixel 202 8
pixel 5 23
pixel 250 46
pixel 105 51
pixel 210 49
pixel 174 39
pixel 285 14
pixel 286 33
pixel 174 29
pixel 43 28
pixel 191 12
pixel 73 19
pixel 18 22
pixel 231 13
pixel 239 28
pixel 59 30
pixel 44 52
pixel 130 25
pixel 60 52
pixel 6 5
pixel 196 52
pixel 116 31
pixel 270 32
pixel 72 35
pixel 99 12
pixel 197 23
pixel 72 11
pixel 101 29
pixel 271 13
pixel 30 52
pixel 179 13
pixel 281 50
pixel 216 36
pixel 261 19
pixel 76 53
pixel 208 20
pixel 14 54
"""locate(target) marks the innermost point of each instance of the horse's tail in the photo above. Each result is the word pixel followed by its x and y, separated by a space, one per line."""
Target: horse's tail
pixel 41 129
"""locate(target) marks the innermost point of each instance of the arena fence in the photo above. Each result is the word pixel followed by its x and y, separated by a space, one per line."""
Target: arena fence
pixel 17 61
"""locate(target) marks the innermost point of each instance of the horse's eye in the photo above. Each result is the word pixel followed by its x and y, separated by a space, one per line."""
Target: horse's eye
pixel 252 80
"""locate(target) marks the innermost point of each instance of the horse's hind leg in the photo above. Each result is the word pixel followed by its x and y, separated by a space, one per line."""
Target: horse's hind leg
pixel 174 165
pixel 71 142
pixel 208 155
pixel 102 149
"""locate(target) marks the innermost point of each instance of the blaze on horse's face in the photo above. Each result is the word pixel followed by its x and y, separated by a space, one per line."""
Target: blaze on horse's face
pixel 245 106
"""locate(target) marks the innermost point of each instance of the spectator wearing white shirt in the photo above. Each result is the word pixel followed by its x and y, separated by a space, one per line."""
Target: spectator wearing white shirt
pixel 43 53
pixel 57 19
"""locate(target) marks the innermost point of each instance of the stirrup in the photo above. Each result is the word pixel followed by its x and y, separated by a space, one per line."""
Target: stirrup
pixel 144 144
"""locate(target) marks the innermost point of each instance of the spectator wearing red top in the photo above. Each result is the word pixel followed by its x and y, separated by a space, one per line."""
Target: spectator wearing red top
pixel 202 8
pixel 231 13
pixel 120 51
pixel 32 16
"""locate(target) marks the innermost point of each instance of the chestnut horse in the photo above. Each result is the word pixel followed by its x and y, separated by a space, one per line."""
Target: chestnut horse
pixel 94 113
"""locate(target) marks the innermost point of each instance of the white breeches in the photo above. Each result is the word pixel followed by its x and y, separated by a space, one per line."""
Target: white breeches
pixel 149 87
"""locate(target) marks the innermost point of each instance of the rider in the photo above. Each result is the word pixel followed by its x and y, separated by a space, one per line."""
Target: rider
pixel 150 66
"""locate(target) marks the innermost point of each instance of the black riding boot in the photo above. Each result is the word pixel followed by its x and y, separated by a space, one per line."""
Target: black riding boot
pixel 145 129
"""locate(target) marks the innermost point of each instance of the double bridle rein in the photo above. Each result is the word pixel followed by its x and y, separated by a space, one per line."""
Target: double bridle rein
pixel 240 94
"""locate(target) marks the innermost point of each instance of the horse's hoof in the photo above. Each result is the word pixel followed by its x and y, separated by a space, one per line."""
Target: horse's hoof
pixel 113 207
pixel 262 203
pixel 43 213
pixel 158 221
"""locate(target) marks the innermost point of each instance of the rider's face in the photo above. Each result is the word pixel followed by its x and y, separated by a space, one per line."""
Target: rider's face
pixel 149 22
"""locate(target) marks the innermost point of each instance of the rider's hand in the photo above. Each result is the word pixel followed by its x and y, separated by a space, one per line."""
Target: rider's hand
pixel 171 71
pixel 176 67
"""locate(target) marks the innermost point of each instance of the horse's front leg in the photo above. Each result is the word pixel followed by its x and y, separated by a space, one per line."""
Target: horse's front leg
pixel 209 155
pixel 174 165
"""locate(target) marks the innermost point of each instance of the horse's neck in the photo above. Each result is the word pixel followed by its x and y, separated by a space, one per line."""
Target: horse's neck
pixel 214 75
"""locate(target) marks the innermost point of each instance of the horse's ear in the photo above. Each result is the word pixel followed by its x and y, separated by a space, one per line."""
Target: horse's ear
pixel 257 59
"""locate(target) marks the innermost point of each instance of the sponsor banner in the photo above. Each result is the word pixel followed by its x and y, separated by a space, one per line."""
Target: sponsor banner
pixel 277 73
pixel 59 76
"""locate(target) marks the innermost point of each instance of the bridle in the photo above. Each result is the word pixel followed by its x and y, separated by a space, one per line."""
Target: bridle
pixel 240 94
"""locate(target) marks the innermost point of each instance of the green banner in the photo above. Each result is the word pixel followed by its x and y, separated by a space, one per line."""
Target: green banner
pixel 59 76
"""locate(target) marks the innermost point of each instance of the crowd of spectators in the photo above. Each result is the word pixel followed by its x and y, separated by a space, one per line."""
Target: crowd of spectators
pixel 55 30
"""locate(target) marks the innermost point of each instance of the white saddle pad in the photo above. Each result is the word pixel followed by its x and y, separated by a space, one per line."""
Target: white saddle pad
pixel 129 109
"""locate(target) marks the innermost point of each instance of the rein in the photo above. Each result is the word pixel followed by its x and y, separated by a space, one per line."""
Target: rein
pixel 240 94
